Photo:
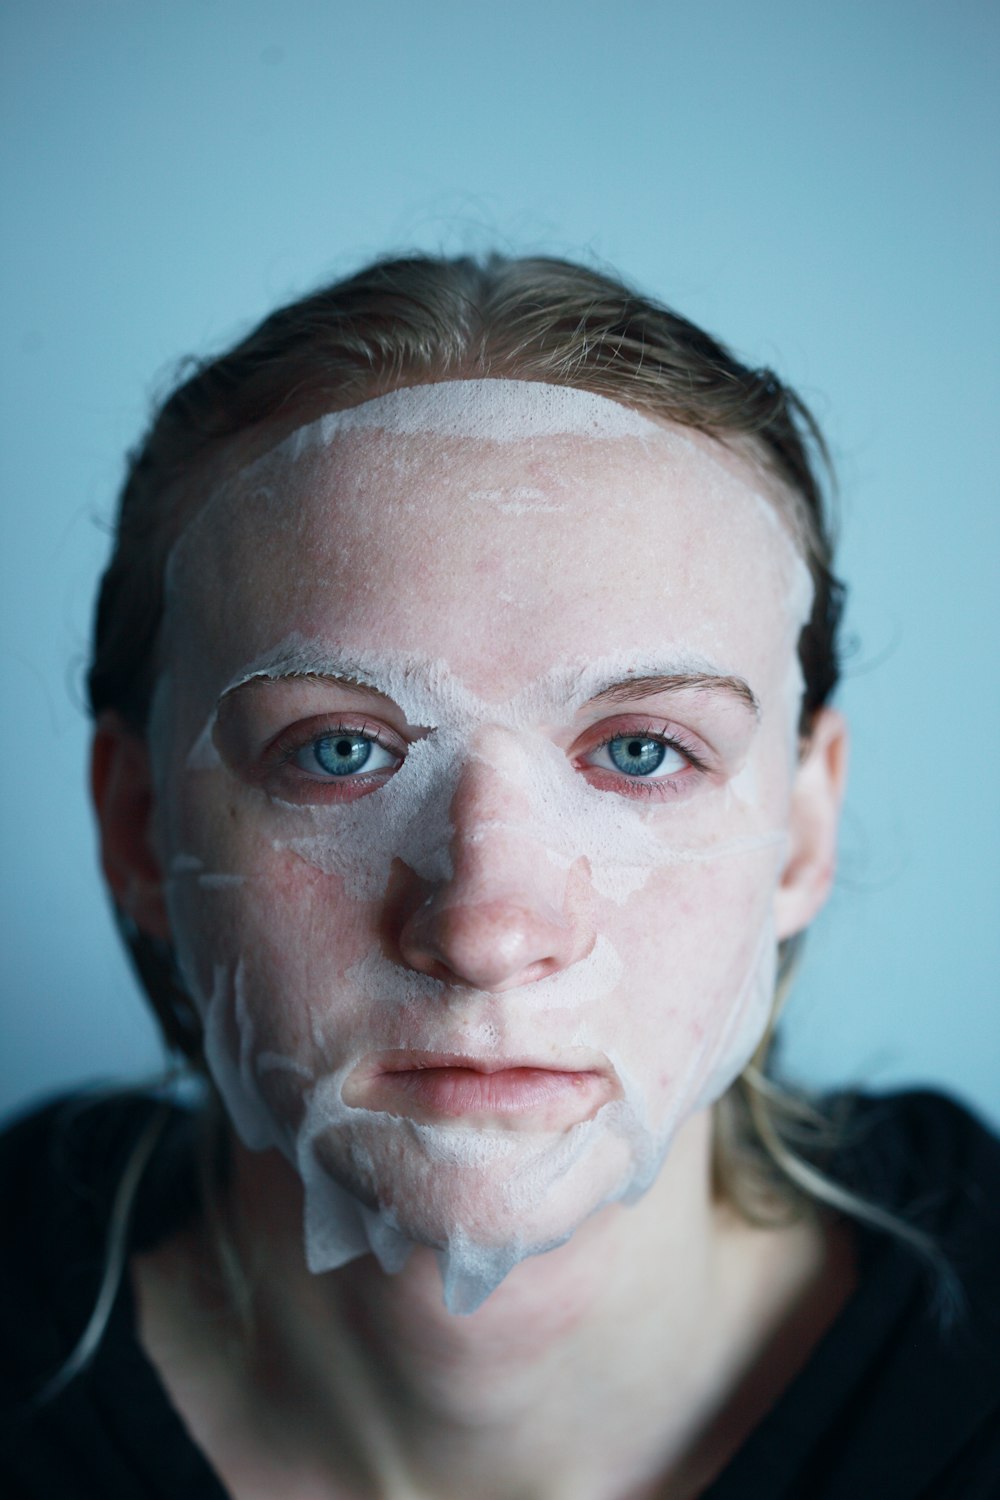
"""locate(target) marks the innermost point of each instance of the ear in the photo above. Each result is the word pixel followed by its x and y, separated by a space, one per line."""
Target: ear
pixel 121 784
pixel 817 794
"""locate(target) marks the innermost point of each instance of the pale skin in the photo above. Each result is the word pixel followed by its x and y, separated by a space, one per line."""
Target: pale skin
pixel 635 1359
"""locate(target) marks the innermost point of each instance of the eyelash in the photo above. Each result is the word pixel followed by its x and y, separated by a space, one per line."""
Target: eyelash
pixel 639 786
pixel 281 752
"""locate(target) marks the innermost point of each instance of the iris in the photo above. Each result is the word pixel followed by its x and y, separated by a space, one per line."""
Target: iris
pixel 636 756
pixel 342 754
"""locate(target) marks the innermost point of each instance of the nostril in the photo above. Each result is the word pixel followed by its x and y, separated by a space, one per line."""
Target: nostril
pixel 491 945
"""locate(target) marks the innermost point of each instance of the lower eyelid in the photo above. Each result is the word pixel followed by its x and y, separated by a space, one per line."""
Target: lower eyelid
pixel 667 789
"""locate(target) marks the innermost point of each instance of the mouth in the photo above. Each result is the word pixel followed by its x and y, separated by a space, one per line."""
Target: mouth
pixel 509 1093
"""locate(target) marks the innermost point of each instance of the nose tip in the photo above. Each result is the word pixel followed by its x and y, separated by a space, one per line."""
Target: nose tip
pixel 487 945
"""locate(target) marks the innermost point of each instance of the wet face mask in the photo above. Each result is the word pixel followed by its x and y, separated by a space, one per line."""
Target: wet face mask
pixel 474 748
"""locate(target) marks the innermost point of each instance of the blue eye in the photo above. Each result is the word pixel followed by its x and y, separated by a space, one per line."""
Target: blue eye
pixel 344 754
pixel 639 755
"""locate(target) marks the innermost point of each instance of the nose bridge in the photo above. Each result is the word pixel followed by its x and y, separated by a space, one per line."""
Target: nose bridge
pixel 499 917
pixel 497 842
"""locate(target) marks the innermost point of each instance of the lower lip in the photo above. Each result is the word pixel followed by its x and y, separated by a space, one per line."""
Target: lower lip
pixel 463 1093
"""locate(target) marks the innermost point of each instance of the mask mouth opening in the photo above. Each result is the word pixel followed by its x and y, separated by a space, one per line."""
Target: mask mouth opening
pixel 500 1092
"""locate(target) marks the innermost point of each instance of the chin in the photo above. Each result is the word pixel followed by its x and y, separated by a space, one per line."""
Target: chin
pixel 484 1200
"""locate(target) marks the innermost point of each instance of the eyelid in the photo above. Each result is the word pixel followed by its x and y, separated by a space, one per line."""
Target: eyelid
pixel 285 745
pixel 718 728
pixel 657 773
pixel 252 712
pixel 691 746
pixel 275 770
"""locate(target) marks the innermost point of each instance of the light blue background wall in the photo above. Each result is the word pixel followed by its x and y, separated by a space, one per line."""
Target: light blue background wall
pixel 818 183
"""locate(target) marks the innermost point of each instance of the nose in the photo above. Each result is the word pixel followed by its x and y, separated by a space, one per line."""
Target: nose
pixel 486 945
pixel 507 916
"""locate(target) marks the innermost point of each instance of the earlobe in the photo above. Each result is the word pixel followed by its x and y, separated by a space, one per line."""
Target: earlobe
pixel 817 795
pixel 122 788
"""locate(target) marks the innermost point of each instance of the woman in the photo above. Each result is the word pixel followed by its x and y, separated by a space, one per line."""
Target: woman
pixel 466 777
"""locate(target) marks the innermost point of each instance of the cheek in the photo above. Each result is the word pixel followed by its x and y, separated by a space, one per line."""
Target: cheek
pixel 697 950
pixel 240 906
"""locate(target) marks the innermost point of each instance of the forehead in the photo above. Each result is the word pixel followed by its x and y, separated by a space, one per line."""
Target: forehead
pixel 499 525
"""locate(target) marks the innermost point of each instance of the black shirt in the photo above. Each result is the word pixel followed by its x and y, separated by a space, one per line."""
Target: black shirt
pixel 896 1402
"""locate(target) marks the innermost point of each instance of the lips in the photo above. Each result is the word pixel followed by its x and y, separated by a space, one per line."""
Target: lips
pixel 511 1093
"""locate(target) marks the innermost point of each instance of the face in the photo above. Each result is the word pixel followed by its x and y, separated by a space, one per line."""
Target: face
pixel 474 754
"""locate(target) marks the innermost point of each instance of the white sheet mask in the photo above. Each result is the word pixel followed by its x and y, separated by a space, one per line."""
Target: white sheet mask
pixel 488 556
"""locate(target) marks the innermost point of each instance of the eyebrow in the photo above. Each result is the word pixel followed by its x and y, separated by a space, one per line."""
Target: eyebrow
pixel 628 689
pixel 679 682
pixel 342 679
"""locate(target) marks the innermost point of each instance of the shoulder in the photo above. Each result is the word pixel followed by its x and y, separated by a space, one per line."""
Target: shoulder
pixel 933 1166
pixel 71 1134
pixel 87 1180
pixel 930 1381
pixel 901 1398
pixel 61 1165
pixel 66 1171
pixel 926 1156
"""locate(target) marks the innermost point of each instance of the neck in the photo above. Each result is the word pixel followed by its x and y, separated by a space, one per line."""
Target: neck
pixel 592 1370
